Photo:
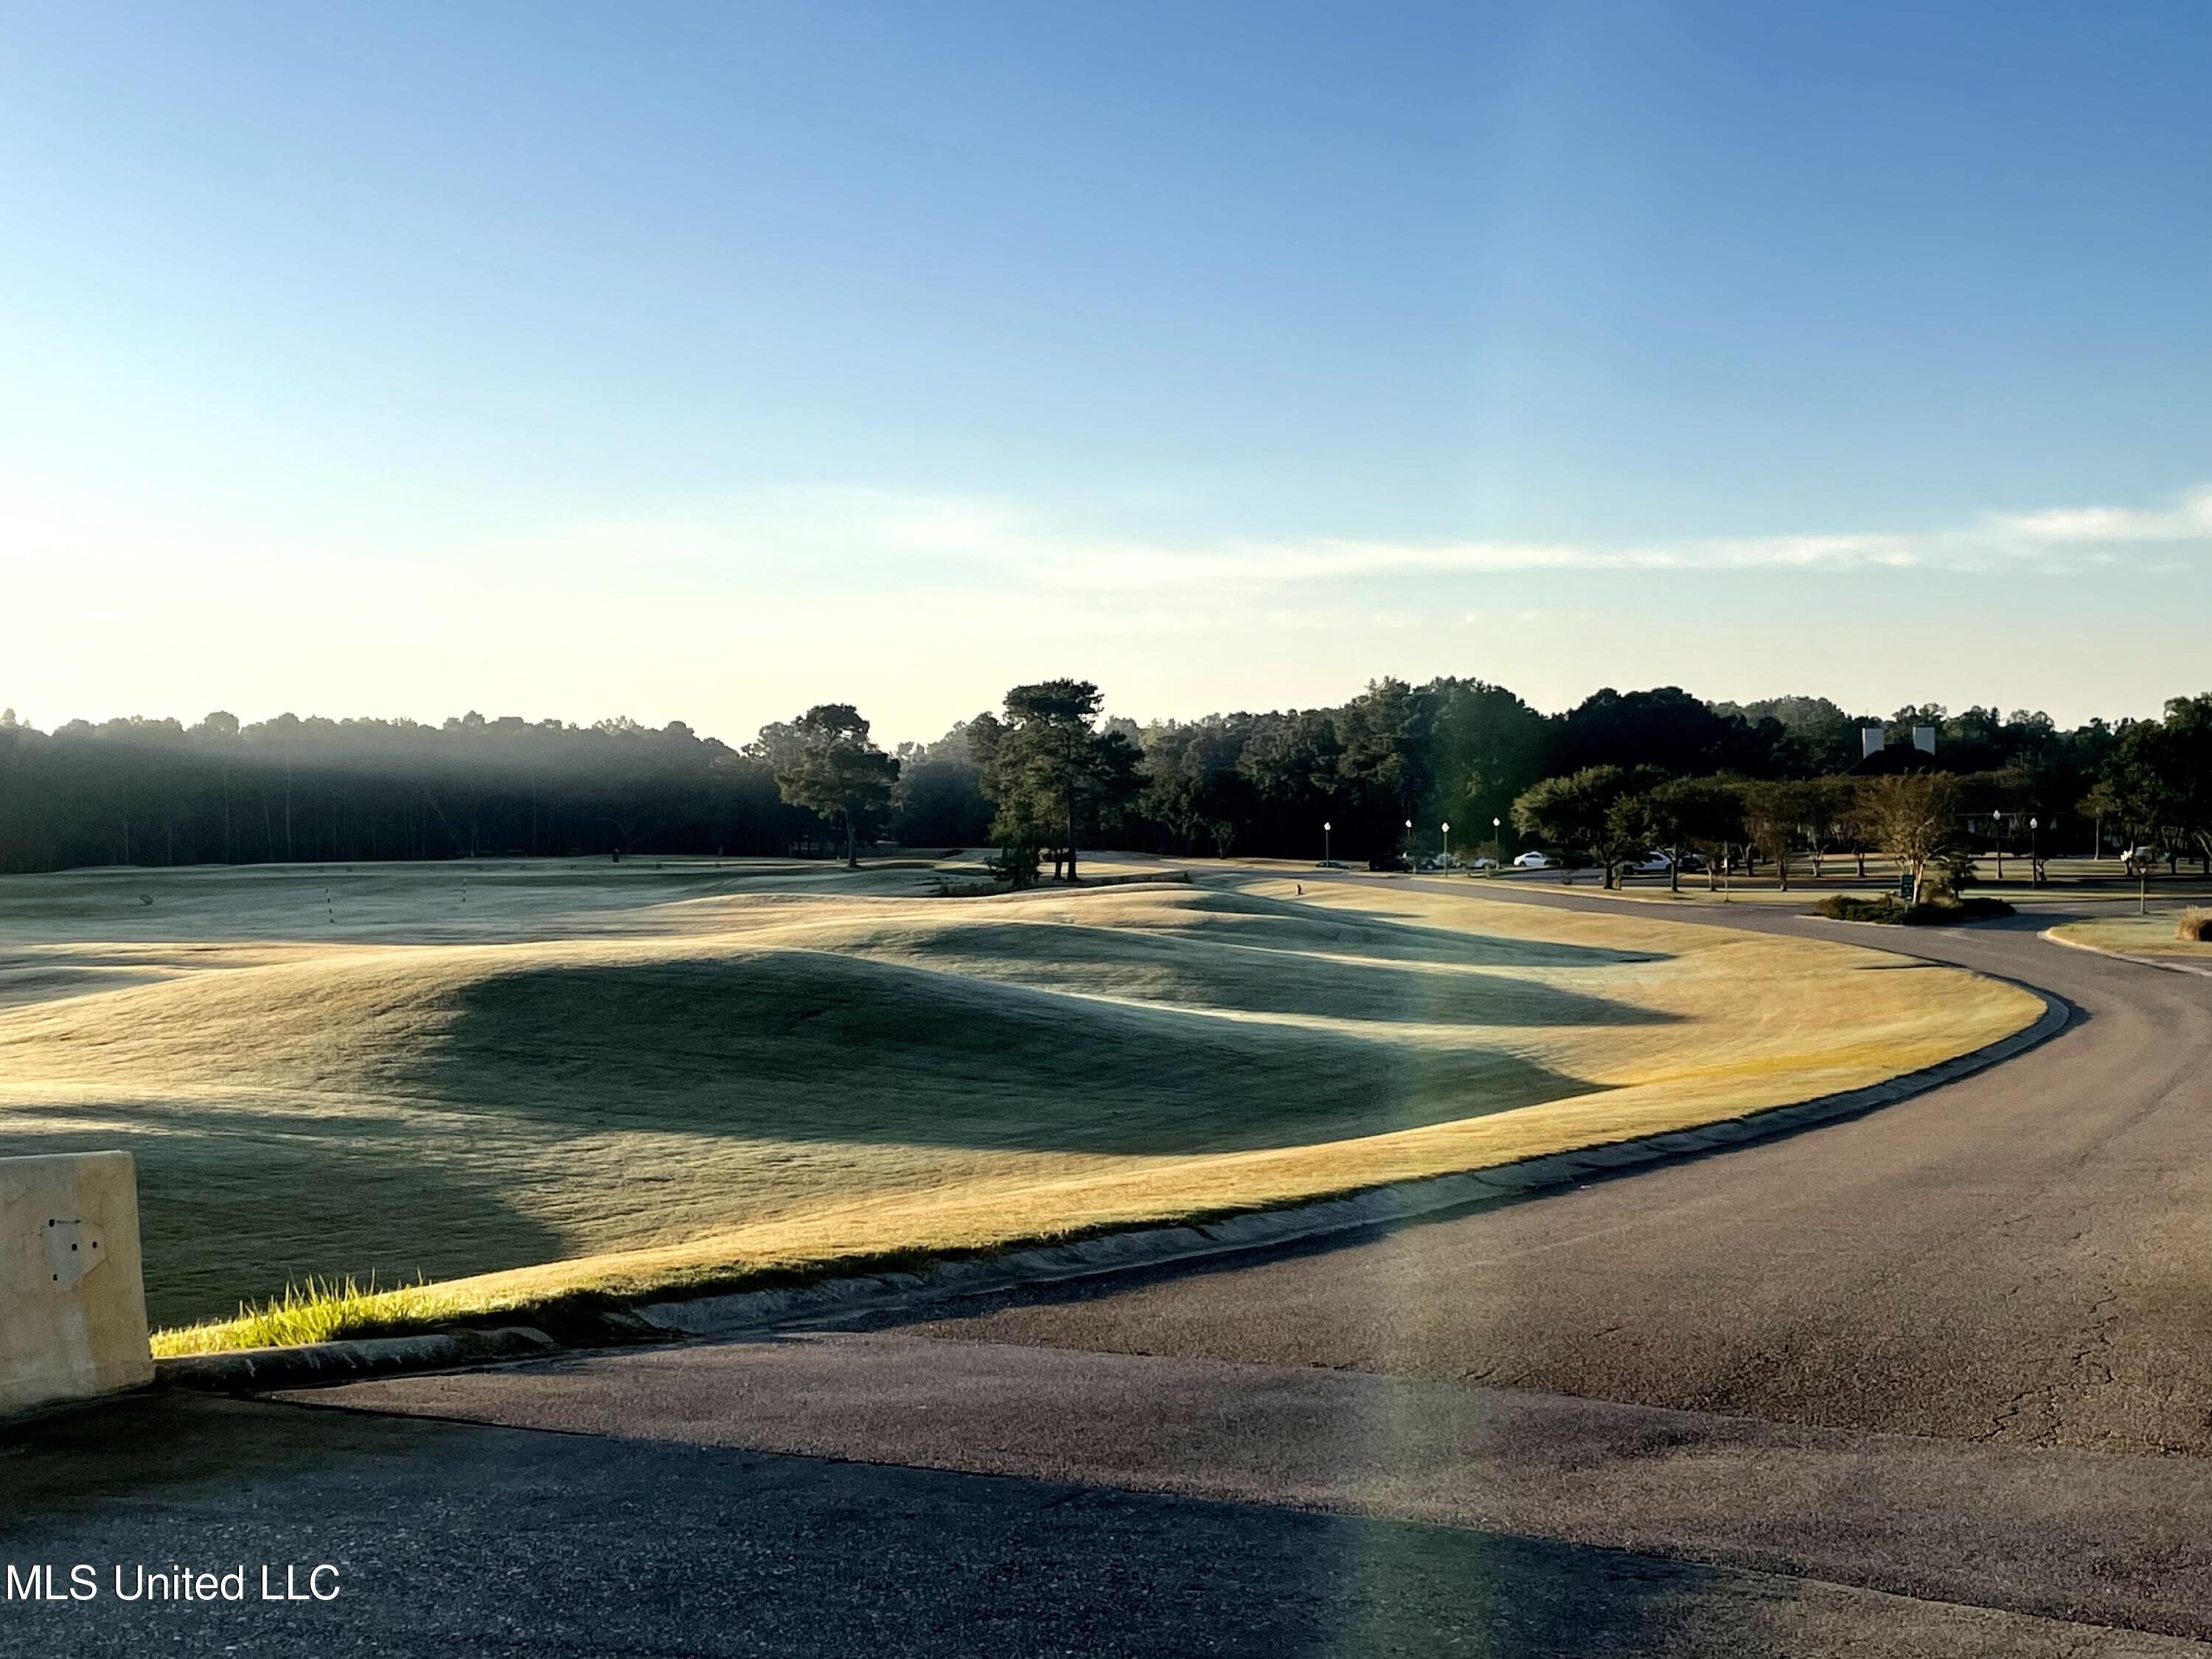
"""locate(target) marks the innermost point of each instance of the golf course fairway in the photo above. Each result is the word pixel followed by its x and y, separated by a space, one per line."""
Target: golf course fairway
pixel 516 1083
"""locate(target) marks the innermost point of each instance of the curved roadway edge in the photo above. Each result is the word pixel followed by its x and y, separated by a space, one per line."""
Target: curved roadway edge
pixel 260 1368
pixel 2052 936
pixel 338 1362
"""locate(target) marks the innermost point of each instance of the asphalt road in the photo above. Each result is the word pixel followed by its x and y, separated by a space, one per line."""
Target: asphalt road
pixel 459 1538
pixel 2023 1257
pixel 1911 1384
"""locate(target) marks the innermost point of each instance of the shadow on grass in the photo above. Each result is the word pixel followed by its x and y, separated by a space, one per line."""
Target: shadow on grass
pixel 1224 905
pixel 235 1204
pixel 1208 972
pixel 795 1045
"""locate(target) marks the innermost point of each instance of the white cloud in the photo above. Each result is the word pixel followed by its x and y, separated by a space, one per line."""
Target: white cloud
pixel 921 539
pixel 922 602
pixel 2189 520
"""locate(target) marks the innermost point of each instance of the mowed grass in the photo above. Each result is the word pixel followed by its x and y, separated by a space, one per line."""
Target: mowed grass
pixel 2152 935
pixel 604 1085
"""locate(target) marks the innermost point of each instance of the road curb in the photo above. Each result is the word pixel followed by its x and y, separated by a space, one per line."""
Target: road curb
pixel 2052 936
pixel 250 1370
pixel 254 1370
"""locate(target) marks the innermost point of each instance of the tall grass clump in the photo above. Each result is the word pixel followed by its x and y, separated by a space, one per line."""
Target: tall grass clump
pixel 2195 926
pixel 317 1310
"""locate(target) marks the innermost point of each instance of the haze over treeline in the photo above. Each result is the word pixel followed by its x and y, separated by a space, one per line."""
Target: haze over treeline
pixel 159 792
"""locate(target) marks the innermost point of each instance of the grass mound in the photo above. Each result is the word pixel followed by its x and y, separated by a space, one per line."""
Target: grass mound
pixel 2195 926
pixel 561 1108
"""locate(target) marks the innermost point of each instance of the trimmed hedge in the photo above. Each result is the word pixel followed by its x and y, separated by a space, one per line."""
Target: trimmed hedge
pixel 1846 907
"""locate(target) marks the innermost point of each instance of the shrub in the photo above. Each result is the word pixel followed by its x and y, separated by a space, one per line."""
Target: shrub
pixel 984 889
pixel 1848 907
pixel 1943 914
pixel 1015 866
pixel 1845 907
pixel 2195 925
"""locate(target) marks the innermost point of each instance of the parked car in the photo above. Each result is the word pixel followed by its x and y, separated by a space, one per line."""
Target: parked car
pixel 1651 864
pixel 1532 861
pixel 1483 864
pixel 1330 864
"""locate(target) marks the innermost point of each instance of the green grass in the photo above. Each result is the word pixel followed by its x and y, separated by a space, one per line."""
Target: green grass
pixel 597 1088
pixel 319 1310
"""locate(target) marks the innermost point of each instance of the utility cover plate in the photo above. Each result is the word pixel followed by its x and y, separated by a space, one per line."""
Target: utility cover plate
pixel 72 1249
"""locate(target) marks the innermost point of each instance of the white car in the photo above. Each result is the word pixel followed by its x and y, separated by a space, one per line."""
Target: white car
pixel 1532 861
pixel 1651 864
pixel 1483 864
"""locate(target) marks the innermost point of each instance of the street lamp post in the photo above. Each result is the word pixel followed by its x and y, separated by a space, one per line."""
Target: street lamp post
pixel 1497 844
pixel 2034 853
pixel 2000 846
pixel 1410 860
pixel 1447 848
pixel 1326 826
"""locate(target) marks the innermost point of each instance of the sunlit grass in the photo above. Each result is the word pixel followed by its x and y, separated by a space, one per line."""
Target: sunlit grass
pixel 579 1103
pixel 314 1311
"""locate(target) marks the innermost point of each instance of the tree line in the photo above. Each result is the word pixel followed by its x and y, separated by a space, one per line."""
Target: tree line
pixel 1618 774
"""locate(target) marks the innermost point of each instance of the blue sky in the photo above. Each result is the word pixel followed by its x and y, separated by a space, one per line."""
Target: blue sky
pixel 707 361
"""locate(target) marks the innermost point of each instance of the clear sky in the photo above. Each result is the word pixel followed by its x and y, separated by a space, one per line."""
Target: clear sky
pixel 707 361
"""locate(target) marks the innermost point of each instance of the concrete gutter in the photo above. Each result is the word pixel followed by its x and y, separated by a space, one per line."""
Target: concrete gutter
pixel 256 1370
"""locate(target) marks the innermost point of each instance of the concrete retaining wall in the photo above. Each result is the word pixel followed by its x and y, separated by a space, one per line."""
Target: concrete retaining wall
pixel 72 1293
